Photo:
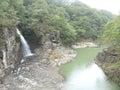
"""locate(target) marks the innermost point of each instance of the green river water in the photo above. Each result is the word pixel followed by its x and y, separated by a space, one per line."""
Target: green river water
pixel 83 74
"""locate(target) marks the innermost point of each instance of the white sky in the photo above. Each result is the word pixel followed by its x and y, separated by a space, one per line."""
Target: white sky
pixel 109 5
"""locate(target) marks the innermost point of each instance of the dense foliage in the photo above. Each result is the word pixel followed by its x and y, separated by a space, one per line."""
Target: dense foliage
pixel 7 13
pixel 109 60
pixel 112 32
pixel 59 19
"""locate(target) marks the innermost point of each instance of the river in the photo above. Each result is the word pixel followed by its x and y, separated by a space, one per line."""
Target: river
pixel 83 74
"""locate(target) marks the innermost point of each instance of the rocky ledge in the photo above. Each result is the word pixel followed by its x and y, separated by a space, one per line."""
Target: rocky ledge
pixel 35 73
pixel 40 72
pixel 59 55
pixel 109 61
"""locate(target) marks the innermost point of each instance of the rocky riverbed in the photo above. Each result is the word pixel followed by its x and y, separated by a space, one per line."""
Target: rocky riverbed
pixel 36 73
pixel 84 45
pixel 40 72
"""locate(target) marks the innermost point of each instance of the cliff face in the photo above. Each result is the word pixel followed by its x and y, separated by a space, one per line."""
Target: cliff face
pixel 109 61
pixel 9 51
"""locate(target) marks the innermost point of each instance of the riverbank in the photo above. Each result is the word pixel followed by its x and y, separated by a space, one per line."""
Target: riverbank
pixel 35 73
pixel 62 55
pixel 109 61
pixel 84 45
pixel 58 55
pixel 40 72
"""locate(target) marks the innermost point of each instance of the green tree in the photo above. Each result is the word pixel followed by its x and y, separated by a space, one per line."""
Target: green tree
pixel 8 16
pixel 69 21
pixel 112 32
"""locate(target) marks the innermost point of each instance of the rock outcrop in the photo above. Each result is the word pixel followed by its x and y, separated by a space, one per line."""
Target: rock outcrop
pixel 109 61
pixel 58 54
pixel 9 51
pixel 35 73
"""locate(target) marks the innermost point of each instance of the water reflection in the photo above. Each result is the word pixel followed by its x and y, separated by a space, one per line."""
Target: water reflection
pixel 89 78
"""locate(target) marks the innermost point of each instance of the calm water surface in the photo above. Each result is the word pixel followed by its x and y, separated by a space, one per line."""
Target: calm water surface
pixel 83 74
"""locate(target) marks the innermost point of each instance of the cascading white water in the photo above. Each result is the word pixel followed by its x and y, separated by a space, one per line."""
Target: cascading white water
pixel 25 46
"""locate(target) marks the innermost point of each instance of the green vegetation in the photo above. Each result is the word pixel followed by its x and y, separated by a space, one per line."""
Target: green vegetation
pixel 111 36
pixel 67 21
pixel 111 62
pixel 8 16
pixel 60 21
pixel 112 32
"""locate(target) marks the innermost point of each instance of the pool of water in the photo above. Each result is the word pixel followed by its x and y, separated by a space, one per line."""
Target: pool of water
pixel 83 74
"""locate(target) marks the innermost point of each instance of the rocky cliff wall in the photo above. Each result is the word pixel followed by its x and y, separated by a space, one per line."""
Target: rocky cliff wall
pixel 109 61
pixel 9 51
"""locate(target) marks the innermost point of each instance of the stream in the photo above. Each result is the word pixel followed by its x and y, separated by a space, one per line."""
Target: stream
pixel 83 74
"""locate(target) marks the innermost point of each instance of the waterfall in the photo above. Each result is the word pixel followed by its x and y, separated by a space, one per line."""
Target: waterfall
pixel 25 46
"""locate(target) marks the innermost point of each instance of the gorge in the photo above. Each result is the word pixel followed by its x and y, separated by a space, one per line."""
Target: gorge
pixel 59 46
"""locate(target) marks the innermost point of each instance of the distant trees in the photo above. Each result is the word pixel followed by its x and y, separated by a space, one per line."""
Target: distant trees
pixel 69 21
pixel 7 13
pixel 87 22
pixel 112 32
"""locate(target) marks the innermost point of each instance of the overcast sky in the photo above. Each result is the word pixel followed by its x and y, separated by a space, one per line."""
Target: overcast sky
pixel 109 5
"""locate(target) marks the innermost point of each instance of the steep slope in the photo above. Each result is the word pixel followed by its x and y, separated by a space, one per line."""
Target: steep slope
pixel 109 60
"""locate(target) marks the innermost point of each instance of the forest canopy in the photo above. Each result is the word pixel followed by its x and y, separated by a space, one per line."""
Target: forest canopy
pixel 111 34
pixel 65 21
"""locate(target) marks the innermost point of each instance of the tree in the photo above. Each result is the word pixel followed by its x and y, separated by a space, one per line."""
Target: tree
pixel 112 32
pixel 7 14
pixel 70 21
